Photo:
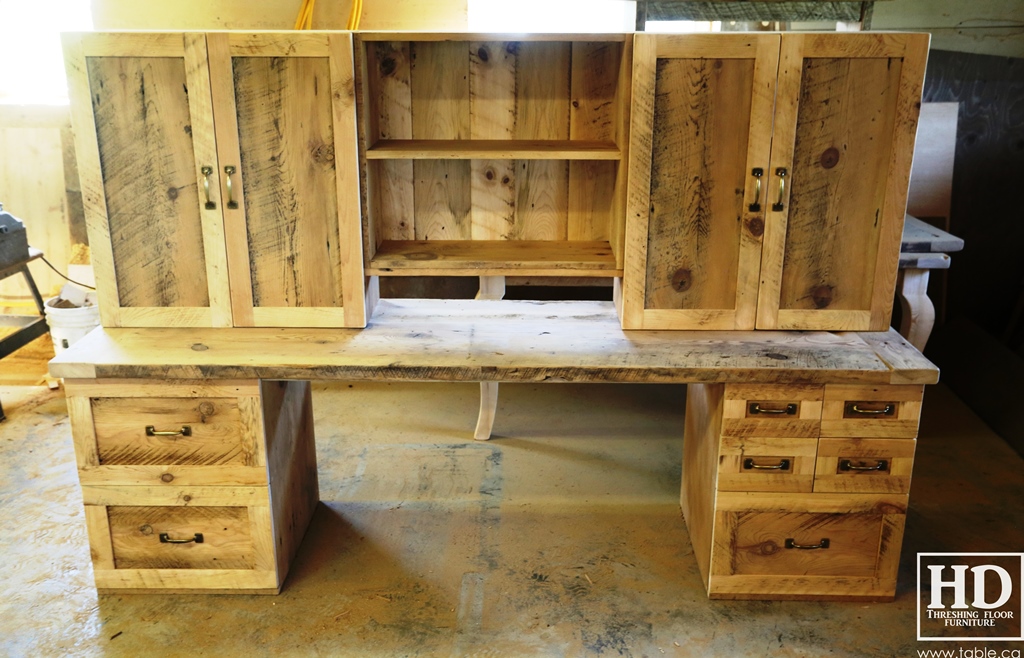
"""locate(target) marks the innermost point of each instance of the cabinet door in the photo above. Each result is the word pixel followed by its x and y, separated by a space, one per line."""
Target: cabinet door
pixel 284 106
pixel 699 150
pixel 145 142
pixel 845 122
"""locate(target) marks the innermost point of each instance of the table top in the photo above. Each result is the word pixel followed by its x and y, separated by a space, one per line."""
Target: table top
pixel 920 237
pixel 496 340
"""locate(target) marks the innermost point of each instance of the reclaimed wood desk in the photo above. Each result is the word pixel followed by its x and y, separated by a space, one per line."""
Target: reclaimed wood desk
pixel 198 471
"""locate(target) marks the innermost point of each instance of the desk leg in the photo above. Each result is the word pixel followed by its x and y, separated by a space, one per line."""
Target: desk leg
pixel 491 287
pixel 918 310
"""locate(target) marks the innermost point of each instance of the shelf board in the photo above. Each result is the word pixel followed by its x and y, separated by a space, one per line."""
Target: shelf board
pixel 494 257
pixel 492 149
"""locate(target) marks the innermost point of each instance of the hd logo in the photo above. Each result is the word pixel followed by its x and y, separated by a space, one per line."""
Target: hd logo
pixel 970 596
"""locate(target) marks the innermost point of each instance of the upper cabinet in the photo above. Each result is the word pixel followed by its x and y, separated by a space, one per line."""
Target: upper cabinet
pixel 768 179
pixel 286 137
pixel 219 177
pixel 146 153
pixel 489 156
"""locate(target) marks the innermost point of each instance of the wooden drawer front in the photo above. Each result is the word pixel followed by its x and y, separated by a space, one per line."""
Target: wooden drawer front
pixel 871 411
pixel 758 543
pixel 762 464
pixel 135 534
pixel 210 431
pixel 772 411
pixel 864 465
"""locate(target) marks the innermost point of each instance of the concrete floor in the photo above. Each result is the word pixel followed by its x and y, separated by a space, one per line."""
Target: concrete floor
pixel 560 537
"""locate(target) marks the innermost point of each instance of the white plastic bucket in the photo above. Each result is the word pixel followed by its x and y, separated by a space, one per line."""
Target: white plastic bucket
pixel 67 325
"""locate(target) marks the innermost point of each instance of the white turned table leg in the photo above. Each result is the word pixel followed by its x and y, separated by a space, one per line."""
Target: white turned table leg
pixel 918 310
pixel 491 287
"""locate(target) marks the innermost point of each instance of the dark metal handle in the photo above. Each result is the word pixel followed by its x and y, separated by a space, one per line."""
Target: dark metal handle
pixel 847 465
pixel 755 408
pixel 781 173
pixel 853 407
pixel 783 465
pixel 207 172
pixel 757 172
pixel 166 539
pixel 229 170
pixel 186 430
pixel 807 547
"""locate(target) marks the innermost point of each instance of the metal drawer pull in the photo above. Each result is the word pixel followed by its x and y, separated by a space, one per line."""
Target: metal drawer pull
pixel 166 539
pixel 207 172
pixel 757 173
pixel 887 411
pixel 186 430
pixel 781 173
pixel 230 171
pixel 807 547
pixel 847 465
pixel 783 465
pixel 755 408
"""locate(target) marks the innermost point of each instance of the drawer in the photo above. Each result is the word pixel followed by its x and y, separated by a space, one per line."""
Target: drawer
pixel 792 411
pixel 162 537
pixel 808 535
pixel 884 411
pixel 201 431
pixel 766 464
pixel 864 465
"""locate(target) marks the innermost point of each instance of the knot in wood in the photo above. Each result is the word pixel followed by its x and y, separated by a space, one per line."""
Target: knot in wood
pixel 756 227
pixel 172 193
pixel 767 548
pixel 830 157
pixel 206 409
pixel 146 529
pixel 388 66
pixel 682 280
pixel 821 296
pixel 322 153
pixel 483 54
pixel 167 477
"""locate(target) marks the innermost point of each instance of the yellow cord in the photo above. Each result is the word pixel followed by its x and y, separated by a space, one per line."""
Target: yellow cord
pixel 355 15
pixel 304 21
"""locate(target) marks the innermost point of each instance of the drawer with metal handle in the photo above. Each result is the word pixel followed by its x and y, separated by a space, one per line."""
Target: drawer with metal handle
pixel 864 465
pixel 766 464
pixel 772 410
pixel 884 411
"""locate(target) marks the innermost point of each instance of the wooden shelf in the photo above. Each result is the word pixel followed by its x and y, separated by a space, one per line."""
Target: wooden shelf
pixel 492 149
pixel 494 257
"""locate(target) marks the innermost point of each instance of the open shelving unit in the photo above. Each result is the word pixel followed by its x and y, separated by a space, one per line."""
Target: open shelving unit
pixel 493 155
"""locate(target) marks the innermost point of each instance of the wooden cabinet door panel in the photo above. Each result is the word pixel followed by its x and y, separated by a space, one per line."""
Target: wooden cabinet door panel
pixel 284 109
pixel 846 117
pixel 144 137
pixel 701 121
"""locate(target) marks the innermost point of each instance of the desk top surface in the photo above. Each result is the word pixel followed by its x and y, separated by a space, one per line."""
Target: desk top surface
pixel 921 237
pixel 508 341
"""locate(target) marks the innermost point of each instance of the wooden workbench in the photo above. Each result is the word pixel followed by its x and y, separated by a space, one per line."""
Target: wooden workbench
pixel 198 470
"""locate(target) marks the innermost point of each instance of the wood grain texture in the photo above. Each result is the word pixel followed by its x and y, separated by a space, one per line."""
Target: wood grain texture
pixel 287 149
pixel 838 419
pixel 740 420
pixel 700 469
pixel 187 581
pixel 493 257
pixel 440 110
pixel 797 477
pixel 593 116
pixel 291 460
pixel 214 425
pixel 478 340
pixel 389 73
pixel 898 455
pixel 135 537
pixel 840 166
pixel 144 132
pixel 542 112
pixel 492 107
pixel 701 115
pixel 185 496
